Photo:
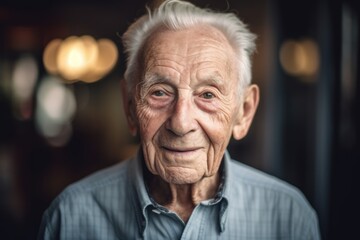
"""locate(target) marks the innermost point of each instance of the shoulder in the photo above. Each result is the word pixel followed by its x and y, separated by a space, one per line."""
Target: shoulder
pixel 89 204
pixel 264 200
pixel 99 180
pixel 93 189
pixel 254 178
pixel 268 190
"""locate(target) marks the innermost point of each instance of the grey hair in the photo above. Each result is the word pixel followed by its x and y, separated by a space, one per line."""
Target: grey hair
pixel 178 15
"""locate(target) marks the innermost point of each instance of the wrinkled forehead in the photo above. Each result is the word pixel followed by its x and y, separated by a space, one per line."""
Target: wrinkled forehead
pixel 188 38
pixel 196 44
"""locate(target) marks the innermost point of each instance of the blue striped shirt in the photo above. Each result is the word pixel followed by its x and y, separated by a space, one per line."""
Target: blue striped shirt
pixel 114 204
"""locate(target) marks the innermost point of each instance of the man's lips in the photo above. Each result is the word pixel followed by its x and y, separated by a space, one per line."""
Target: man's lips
pixel 181 149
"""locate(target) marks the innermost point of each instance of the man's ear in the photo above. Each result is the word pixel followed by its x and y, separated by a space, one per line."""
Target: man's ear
pixel 247 111
pixel 129 108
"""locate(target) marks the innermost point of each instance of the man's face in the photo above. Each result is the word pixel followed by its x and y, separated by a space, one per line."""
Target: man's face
pixel 187 103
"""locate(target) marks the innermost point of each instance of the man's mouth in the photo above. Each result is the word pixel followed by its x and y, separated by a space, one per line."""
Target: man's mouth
pixel 181 149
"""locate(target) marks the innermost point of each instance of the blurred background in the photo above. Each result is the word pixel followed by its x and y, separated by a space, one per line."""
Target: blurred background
pixel 61 114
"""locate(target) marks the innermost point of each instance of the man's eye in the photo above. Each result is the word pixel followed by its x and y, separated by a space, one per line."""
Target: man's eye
pixel 208 95
pixel 158 93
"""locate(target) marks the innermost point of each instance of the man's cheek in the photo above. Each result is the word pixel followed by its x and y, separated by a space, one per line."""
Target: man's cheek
pixel 144 117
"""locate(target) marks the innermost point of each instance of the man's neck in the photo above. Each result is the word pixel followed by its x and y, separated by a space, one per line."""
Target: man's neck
pixel 183 198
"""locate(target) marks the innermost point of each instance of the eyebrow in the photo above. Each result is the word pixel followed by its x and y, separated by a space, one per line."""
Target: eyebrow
pixel 213 79
pixel 151 79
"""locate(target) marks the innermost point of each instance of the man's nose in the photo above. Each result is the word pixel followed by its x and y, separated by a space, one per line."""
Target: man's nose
pixel 182 118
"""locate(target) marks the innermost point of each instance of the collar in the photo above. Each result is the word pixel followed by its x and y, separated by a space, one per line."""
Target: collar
pixel 142 200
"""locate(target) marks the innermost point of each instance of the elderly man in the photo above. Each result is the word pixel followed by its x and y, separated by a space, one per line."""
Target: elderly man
pixel 186 92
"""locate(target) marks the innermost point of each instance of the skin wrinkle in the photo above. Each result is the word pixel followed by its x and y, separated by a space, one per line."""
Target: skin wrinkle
pixel 183 134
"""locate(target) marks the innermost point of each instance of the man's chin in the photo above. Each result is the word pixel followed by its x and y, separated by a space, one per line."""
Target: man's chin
pixel 180 176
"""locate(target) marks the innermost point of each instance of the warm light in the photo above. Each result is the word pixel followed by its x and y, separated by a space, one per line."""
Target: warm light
pixel 49 56
pixel 106 60
pixel 76 56
pixel 300 58
pixel 312 53
pixel 80 58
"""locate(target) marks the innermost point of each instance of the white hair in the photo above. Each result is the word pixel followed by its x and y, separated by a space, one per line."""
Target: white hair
pixel 178 15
